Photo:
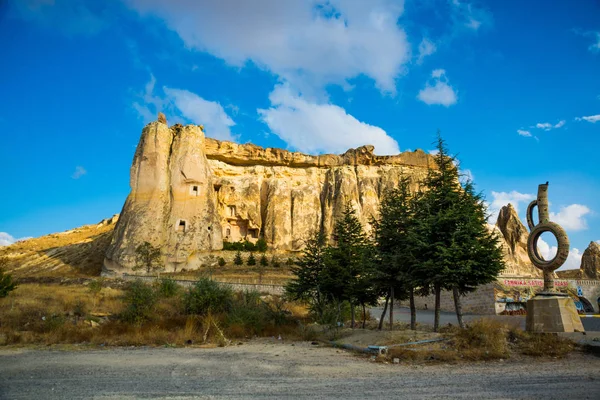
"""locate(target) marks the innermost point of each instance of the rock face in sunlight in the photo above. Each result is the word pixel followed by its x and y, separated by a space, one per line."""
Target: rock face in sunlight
pixel 189 193
pixel 590 261
pixel 513 239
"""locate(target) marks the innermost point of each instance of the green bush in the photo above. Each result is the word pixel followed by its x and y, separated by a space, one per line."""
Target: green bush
pixel 275 262
pixel 238 259
pixel 248 316
pixel 207 296
pixel 222 262
pixel 264 261
pixel 249 246
pixel 261 245
pixel 167 287
pixel 290 261
pixel 6 284
pixel 95 286
pixel 251 259
pixel 240 246
pixel 140 300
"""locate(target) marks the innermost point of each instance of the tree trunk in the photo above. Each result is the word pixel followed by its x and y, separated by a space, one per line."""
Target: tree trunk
pixel 436 320
pixel 364 316
pixel 413 310
pixel 458 307
pixel 387 300
pixel 352 313
pixel 391 308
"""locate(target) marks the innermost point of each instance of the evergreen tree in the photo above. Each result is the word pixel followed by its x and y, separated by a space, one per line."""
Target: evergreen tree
pixel 454 250
pixel 251 259
pixel 395 249
pixel 264 261
pixel 308 274
pixel 7 284
pixel 237 260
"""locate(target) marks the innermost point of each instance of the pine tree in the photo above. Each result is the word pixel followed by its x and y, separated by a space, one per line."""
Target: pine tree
pixel 251 259
pixel 394 237
pixel 264 261
pixel 237 260
pixel 454 249
pixel 308 274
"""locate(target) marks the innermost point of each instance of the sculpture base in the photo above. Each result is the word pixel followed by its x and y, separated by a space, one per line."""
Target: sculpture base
pixel 552 313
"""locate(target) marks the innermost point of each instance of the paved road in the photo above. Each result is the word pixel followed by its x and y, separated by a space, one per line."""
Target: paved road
pixel 281 371
pixel 402 314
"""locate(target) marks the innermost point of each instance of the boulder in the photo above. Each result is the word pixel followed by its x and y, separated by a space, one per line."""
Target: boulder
pixel 590 261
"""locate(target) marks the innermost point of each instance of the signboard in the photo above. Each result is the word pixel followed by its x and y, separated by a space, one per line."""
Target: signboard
pixel 533 282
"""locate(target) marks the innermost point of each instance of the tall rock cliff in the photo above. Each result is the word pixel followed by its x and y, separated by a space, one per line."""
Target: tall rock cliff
pixel 590 261
pixel 513 239
pixel 189 193
pixel 172 203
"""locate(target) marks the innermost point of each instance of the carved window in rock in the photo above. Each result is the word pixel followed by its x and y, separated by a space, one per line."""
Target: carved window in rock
pixel 228 232
pixel 231 210
pixel 194 190
pixel 254 233
pixel 181 225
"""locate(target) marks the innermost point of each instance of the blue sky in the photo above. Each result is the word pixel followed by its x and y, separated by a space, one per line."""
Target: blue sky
pixel 513 86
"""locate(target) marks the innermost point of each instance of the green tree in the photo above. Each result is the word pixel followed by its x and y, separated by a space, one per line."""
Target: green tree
pixel 6 282
pixel 455 250
pixel 264 261
pixel 347 276
pixel 306 285
pixel 147 257
pixel 222 262
pixel 395 248
pixel 251 259
pixel 261 245
pixel 237 260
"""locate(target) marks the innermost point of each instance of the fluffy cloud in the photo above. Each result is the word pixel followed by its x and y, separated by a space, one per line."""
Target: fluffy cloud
pixel 592 118
pixel 79 172
pixel 548 252
pixel 438 91
pixel 7 240
pixel 307 41
pixel 571 217
pixel 183 106
pixel 426 48
pixel 524 133
pixel 595 47
pixel 320 127
pixel 200 111
pixel 500 199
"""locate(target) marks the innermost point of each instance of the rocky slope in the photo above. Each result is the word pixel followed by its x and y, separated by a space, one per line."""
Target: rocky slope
pixel 590 261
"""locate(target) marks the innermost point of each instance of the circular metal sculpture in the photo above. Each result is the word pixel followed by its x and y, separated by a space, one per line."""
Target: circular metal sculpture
pixel 544 225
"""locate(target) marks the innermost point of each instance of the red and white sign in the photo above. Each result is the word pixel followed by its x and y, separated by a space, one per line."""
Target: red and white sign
pixel 533 282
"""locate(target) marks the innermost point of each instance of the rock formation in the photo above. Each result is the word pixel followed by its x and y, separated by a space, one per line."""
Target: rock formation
pixel 590 261
pixel 189 193
pixel 513 239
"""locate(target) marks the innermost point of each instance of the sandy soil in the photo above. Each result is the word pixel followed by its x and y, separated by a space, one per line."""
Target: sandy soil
pixel 275 369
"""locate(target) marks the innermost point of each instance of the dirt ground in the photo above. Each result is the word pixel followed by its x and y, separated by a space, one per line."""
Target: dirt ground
pixel 279 369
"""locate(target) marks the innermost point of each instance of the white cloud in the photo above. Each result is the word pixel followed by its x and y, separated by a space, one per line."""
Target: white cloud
pixel 524 133
pixel 465 14
pixel 548 252
pixel 7 240
pixel 184 106
pixel 199 111
pixel 314 127
pixel 548 126
pixel 592 118
pixel 426 48
pixel 500 199
pixel 595 47
pixel 79 172
pixel 571 217
pixel 301 41
pixel 440 92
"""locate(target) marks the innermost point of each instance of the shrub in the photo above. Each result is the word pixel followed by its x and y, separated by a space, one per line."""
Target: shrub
pixel 290 261
pixel 95 286
pixel 482 339
pixel 207 296
pixel 140 300
pixel 6 284
pixel 248 316
pixel 236 246
pixel 167 287
pixel 238 259
pixel 221 262
pixel 251 259
pixel 261 245
pixel 275 262
pixel 249 246
pixel 264 261
pixel 540 344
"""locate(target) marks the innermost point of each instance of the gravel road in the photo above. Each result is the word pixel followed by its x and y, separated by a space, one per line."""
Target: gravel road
pixel 269 369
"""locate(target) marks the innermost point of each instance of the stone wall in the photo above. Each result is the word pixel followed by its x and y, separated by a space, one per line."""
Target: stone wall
pixel 479 302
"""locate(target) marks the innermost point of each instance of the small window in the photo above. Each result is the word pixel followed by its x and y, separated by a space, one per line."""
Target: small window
pixel 228 232
pixel 231 211
pixel 181 225
pixel 194 190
